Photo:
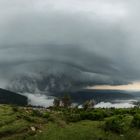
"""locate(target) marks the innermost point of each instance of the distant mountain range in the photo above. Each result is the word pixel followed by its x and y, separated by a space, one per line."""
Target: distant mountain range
pixel 8 97
pixel 97 95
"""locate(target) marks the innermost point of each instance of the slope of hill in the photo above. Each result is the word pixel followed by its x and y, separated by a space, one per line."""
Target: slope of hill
pixel 8 97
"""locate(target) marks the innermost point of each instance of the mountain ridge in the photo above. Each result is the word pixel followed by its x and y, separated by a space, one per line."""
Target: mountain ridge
pixel 9 97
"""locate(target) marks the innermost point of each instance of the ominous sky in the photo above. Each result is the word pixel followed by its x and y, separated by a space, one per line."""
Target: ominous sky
pixel 96 41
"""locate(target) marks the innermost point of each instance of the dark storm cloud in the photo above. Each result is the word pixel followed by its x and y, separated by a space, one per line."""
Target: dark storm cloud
pixel 92 42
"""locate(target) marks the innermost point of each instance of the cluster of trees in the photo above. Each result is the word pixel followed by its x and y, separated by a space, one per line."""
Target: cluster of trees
pixel 65 101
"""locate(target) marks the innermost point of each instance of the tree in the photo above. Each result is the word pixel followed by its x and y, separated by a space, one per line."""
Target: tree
pixel 92 103
pixel 89 104
pixel 66 100
pixel 56 102
pixel 137 104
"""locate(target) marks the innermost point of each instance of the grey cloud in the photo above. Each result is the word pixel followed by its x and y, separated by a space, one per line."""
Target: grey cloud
pixel 76 39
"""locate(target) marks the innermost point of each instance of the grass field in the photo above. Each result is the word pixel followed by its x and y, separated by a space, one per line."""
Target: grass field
pixel 25 123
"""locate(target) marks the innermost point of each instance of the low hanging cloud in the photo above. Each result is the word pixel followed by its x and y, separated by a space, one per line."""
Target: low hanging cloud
pixel 75 43
pixel 39 100
pixel 114 105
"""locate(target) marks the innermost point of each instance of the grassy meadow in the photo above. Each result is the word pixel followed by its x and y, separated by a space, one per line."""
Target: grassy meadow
pixel 28 123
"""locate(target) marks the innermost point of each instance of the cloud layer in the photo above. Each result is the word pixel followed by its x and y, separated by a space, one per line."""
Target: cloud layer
pixel 90 42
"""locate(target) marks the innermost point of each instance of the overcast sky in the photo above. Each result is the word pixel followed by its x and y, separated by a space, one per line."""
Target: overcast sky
pixel 97 38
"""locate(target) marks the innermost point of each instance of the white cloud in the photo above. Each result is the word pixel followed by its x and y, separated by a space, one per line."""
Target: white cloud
pixel 115 105
pixel 39 100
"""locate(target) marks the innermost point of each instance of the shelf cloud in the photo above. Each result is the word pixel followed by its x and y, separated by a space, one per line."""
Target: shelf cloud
pixel 90 43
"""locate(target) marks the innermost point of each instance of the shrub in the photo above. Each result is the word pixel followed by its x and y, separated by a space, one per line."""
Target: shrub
pixel 27 118
pixel 37 113
pixel 46 115
pixel 121 111
pixel 92 115
pixel 116 124
pixel 14 108
pixel 136 121
pixel 73 117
